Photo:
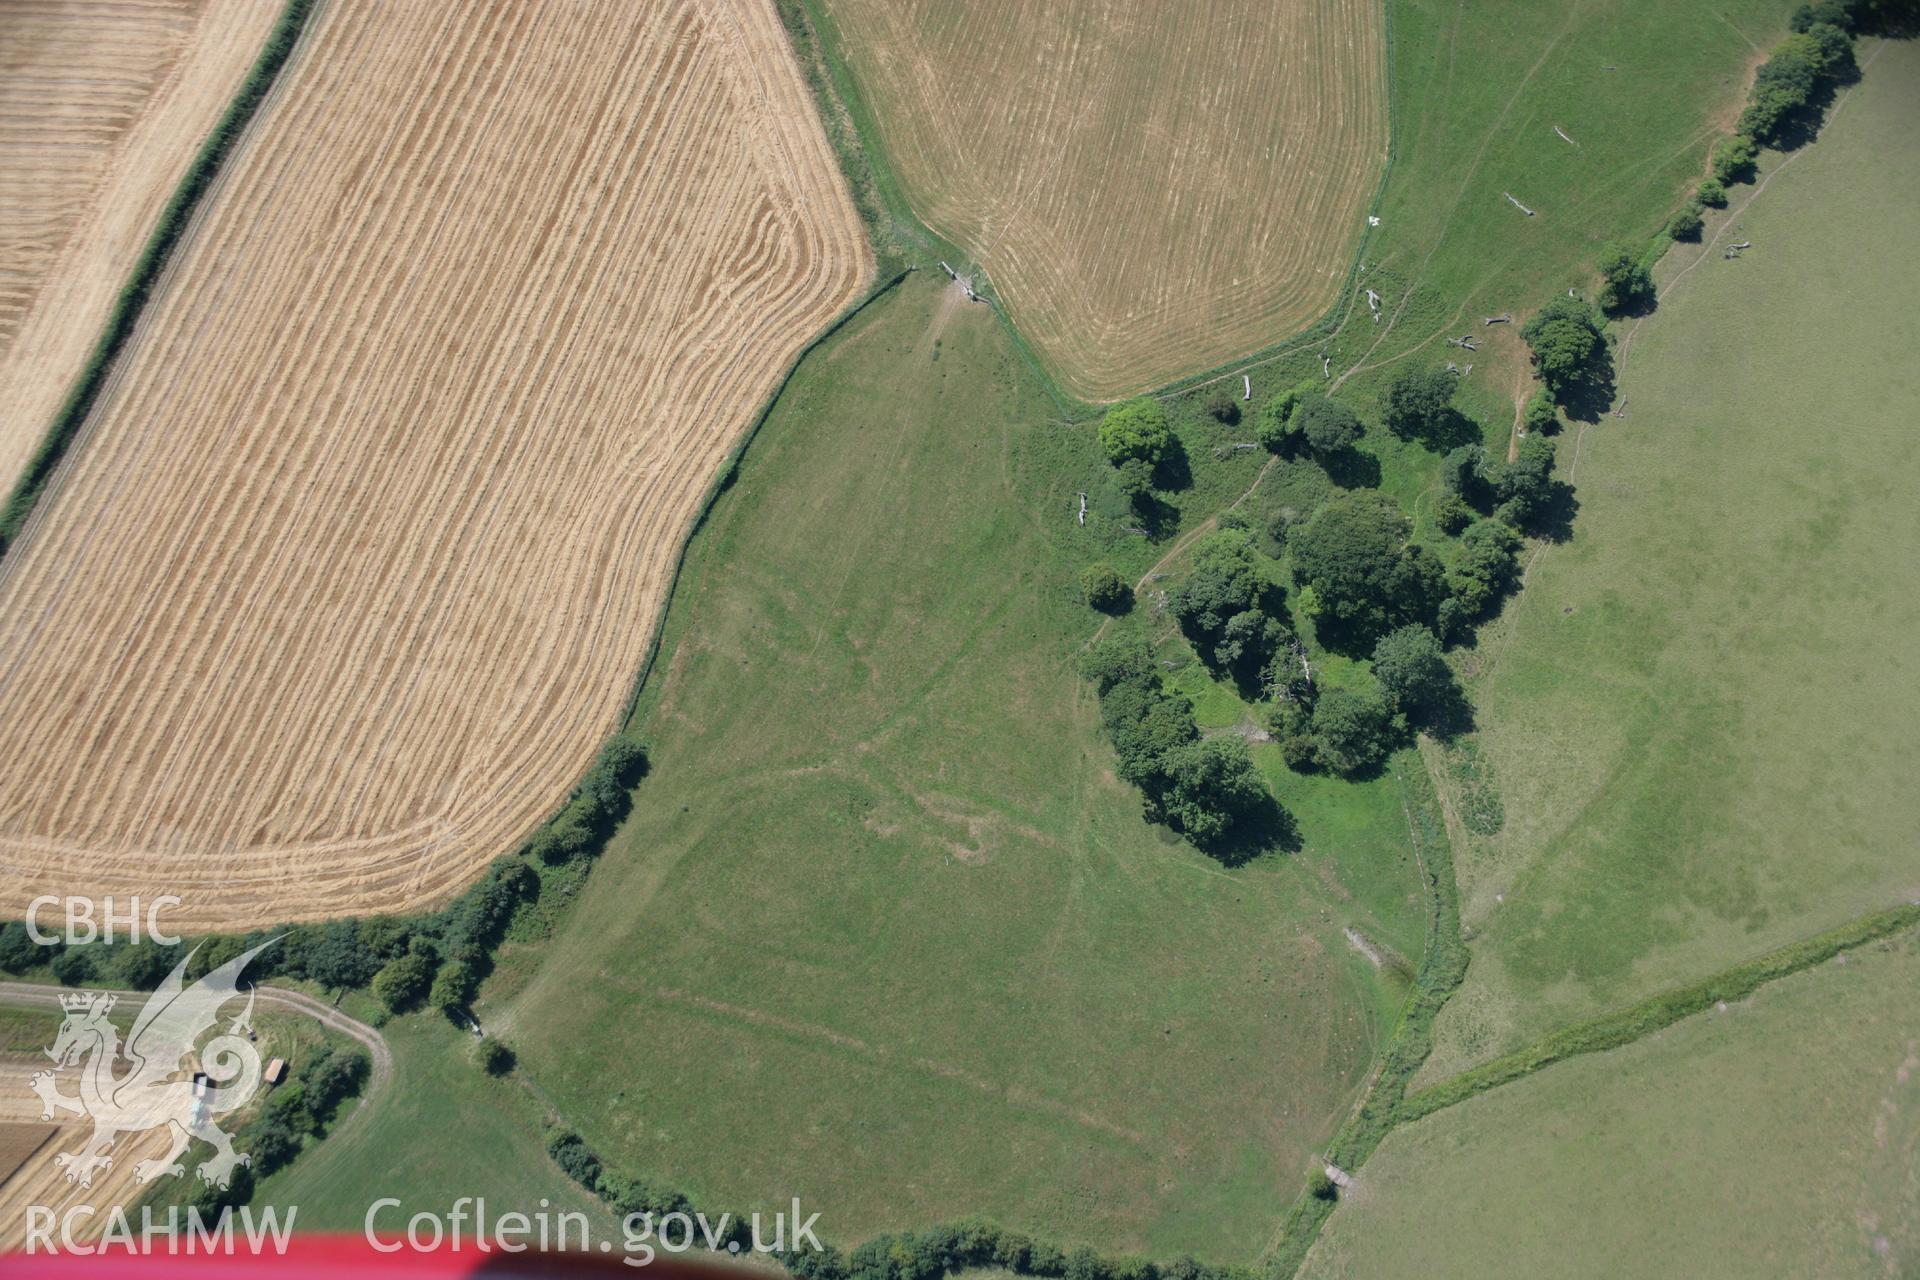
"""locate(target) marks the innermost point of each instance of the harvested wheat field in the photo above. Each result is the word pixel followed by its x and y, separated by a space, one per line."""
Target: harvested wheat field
pixel 103 104
pixel 1153 188
pixel 353 567
pixel 30 1149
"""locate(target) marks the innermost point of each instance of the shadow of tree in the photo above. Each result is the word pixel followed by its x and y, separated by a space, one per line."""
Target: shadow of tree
pixel 1352 468
pixel 1555 520
pixel 1448 718
pixel 1265 828
pixel 1174 472
pixel 1587 398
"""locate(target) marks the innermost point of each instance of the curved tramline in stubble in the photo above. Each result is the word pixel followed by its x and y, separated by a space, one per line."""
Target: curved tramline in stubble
pixel 363 547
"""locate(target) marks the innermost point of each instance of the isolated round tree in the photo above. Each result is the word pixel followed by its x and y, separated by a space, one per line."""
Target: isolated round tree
pixel 1103 587
pixel 1563 337
pixel 1136 429
pixel 1327 425
pixel 1417 401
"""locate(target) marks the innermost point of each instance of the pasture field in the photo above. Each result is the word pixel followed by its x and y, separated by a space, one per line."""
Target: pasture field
pixel 884 931
pixel 1701 710
pixel 102 106
pixel 1780 1137
pixel 1478 89
pixel 441 1129
pixel 1153 189
pixel 352 571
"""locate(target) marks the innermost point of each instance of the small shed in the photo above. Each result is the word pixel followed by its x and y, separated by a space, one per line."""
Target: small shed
pixel 276 1071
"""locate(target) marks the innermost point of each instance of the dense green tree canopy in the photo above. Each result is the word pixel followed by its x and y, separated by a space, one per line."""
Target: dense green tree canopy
pixel 1789 79
pixel 18 950
pixel 1625 281
pixel 1410 666
pixel 1733 158
pixel 404 981
pixel 1144 722
pixel 1116 659
pixel 1326 425
pixel 1564 339
pixel 1489 551
pixel 1225 580
pixel 1364 576
pixel 142 965
pixel 1249 638
pixel 1541 417
pixel 1352 730
pixel 1832 12
pixel 73 966
pixel 336 959
pixel 451 986
pixel 1138 430
pixel 1211 786
pixel 1417 402
pixel 1104 588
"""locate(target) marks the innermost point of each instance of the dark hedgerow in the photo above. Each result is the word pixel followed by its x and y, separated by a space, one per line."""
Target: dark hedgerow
pixel 152 261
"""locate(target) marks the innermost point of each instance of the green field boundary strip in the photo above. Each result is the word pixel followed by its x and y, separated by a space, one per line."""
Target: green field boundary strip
pixel 1623 1027
pixel 134 295
pixel 1442 968
pixel 728 473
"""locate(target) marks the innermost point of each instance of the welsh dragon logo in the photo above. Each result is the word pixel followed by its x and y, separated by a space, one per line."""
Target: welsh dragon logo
pixel 155 1088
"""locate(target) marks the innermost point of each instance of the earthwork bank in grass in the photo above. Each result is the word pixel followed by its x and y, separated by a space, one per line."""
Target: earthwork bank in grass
pixel 884 931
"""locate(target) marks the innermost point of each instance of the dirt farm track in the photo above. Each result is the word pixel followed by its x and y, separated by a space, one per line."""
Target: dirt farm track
pixel 353 566
pixel 102 105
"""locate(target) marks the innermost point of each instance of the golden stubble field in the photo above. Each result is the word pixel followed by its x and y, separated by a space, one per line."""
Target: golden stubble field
pixel 352 569
pixel 1153 188
pixel 102 105
pixel 30 1148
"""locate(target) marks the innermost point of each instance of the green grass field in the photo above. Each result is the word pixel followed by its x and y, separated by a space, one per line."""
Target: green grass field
pixel 1478 91
pixel 885 932
pixel 441 1130
pixel 1781 1137
pixel 1701 712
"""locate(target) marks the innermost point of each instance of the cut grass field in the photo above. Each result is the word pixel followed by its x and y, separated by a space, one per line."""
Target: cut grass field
pixel 354 565
pixel 1701 710
pixel 1643 88
pixel 102 107
pixel 1779 1137
pixel 1153 189
pixel 884 931
pixel 441 1130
